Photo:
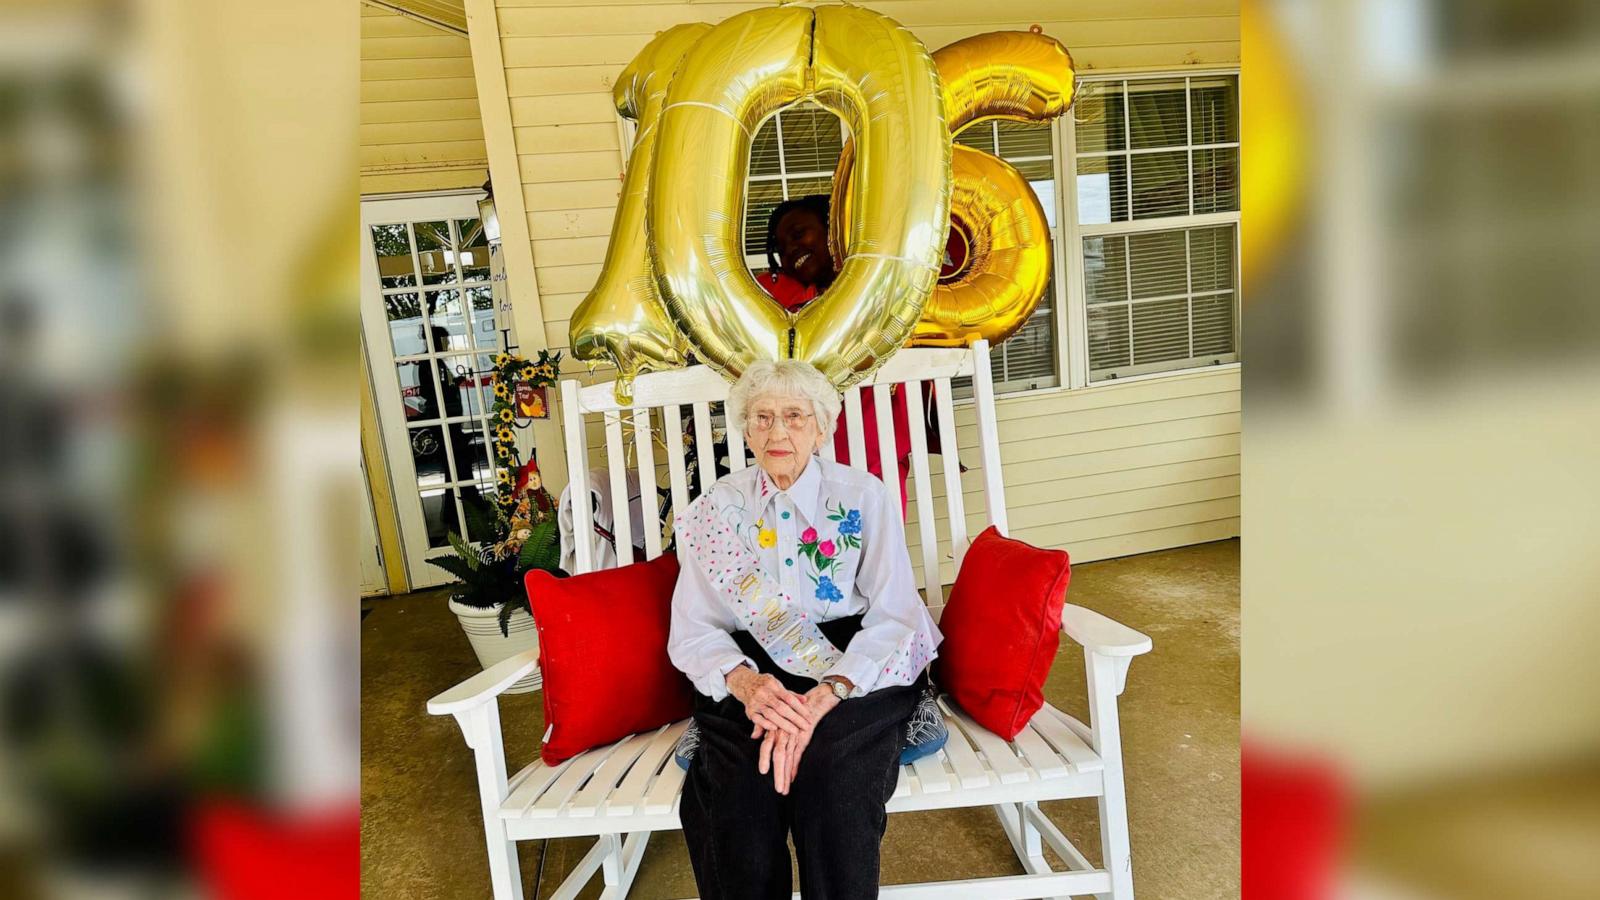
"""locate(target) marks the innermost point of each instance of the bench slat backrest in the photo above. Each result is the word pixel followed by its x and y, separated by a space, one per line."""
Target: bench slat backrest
pixel 670 404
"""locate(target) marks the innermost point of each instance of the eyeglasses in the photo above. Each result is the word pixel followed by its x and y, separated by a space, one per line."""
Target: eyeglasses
pixel 792 419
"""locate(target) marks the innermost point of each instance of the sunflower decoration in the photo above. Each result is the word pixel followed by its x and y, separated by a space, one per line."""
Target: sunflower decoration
pixel 504 478
pixel 509 370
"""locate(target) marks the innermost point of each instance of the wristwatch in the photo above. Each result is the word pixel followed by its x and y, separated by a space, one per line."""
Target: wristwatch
pixel 839 690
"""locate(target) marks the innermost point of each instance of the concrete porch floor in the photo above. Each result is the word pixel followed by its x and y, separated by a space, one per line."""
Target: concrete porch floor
pixel 422 837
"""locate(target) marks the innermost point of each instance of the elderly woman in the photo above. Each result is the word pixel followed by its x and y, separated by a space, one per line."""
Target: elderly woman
pixel 797 619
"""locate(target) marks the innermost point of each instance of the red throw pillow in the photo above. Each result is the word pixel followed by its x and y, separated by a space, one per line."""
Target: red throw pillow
pixel 603 655
pixel 1002 626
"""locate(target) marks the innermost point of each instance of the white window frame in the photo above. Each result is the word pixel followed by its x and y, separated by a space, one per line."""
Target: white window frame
pixel 783 176
pixel 1073 348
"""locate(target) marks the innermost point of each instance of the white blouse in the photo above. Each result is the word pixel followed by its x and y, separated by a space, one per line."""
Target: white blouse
pixel 835 542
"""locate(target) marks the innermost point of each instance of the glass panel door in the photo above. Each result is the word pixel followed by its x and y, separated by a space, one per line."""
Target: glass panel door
pixel 432 324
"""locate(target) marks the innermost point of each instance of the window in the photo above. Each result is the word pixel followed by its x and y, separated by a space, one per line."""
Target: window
pixel 793 155
pixel 1157 165
pixel 1026 360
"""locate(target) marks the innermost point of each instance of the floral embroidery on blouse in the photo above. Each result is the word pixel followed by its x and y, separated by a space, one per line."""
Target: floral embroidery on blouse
pixel 849 524
pixel 845 539
pixel 827 590
pixel 825 555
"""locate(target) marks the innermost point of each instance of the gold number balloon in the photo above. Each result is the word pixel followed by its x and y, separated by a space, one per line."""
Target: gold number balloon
pixel 623 319
pixel 1020 76
pixel 1008 257
pixel 880 80
pixel 1276 134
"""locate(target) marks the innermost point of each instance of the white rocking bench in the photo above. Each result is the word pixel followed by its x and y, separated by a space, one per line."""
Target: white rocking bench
pixel 624 792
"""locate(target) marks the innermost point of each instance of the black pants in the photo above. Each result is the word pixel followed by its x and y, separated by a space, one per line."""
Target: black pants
pixel 736 823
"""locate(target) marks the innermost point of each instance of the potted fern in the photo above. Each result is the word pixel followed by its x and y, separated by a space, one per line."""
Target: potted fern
pixel 488 599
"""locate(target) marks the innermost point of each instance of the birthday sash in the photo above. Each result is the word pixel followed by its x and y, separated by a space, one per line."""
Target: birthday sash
pixel 761 605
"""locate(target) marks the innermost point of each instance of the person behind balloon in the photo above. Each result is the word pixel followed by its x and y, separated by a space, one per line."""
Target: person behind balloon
pixel 799 268
pixel 797 619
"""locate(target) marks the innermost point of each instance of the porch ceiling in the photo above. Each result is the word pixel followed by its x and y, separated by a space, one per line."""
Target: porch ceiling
pixel 450 15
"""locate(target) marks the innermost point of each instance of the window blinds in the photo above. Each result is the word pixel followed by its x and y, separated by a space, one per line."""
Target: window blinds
pixel 1027 359
pixel 792 155
pixel 1158 298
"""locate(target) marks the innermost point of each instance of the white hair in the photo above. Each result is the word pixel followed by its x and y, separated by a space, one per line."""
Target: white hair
pixel 785 378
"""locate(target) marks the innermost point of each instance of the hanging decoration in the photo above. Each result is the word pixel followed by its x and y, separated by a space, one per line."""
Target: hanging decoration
pixel 530 402
pixel 520 531
pixel 514 378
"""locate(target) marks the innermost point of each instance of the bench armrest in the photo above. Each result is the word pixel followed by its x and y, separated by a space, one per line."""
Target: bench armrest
pixel 486 685
pixel 1102 635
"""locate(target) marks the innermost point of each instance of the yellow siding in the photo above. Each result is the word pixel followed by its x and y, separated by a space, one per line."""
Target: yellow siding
pixel 1108 471
pixel 420 129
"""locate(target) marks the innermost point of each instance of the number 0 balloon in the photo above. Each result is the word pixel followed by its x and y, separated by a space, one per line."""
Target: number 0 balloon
pixel 880 80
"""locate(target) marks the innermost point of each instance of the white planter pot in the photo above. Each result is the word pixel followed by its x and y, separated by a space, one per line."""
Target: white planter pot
pixel 482 627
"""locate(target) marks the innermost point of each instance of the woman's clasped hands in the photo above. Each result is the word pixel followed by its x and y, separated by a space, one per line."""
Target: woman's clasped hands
pixel 784 720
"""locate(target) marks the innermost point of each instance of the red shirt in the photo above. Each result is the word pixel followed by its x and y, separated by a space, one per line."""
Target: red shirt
pixel 789 293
